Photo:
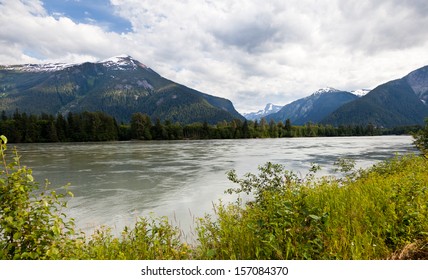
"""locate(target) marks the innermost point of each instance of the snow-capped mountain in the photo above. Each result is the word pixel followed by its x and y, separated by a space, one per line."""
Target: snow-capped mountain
pixel 313 108
pixel 269 109
pixel 118 86
pixel 120 62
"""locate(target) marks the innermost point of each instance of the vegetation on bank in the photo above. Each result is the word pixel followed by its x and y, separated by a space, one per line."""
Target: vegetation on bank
pixel 378 213
pixel 98 126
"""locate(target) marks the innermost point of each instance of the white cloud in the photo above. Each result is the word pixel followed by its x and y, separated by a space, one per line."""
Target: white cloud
pixel 251 52
pixel 27 28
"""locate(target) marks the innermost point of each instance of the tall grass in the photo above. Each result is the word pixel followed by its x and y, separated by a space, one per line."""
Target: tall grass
pixel 371 214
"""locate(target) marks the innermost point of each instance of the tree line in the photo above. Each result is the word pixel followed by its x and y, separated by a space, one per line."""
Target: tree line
pixel 98 126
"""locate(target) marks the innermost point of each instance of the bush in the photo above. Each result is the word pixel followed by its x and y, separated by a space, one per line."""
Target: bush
pixel 370 214
pixel 32 225
pixel 421 139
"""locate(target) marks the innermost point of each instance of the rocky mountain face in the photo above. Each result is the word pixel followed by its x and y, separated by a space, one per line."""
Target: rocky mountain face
pixel 313 108
pixel 418 81
pixel 118 86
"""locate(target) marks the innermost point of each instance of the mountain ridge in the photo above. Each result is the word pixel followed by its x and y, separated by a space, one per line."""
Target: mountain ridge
pixel 313 108
pixel 268 109
pixel 118 86
pixel 399 102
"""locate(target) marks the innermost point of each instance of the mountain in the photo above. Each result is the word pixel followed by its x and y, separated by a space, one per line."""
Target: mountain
pixel 399 102
pixel 360 92
pixel 418 81
pixel 314 107
pixel 118 86
pixel 269 109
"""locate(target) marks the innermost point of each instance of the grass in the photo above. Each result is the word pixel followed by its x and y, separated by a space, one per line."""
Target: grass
pixel 373 214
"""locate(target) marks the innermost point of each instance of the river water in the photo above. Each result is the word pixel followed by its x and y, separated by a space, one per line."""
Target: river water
pixel 116 182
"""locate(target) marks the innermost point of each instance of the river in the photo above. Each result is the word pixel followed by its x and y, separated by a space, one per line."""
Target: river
pixel 116 182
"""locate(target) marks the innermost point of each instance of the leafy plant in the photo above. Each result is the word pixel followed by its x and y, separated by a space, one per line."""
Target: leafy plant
pixel 421 139
pixel 32 224
pixel 370 214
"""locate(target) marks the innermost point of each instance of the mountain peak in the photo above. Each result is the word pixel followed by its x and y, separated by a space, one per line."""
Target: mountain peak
pixel 325 90
pixel 117 58
pixel 269 109
pixel 122 62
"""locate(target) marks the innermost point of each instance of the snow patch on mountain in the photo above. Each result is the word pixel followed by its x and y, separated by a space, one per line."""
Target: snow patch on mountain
pixel 360 92
pixel 269 109
pixel 122 62
pixel 325 90
pixel 119 62
pixel 48 67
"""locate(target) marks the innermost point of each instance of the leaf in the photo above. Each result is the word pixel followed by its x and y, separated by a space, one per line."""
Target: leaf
pixel 4 139
pixel 315 217
pixel 55 230
pixel 17 235
pixel 211 253
pixel 9 219
pixel 30 177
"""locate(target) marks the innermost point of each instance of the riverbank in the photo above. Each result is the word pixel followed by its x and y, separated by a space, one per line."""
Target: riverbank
pixel 377 213
pixel 114 183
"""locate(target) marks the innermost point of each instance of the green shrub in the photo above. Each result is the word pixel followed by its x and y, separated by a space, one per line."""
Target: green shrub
pixel 32 225
pixel 421 139
pixel 368 214
pixel 149 239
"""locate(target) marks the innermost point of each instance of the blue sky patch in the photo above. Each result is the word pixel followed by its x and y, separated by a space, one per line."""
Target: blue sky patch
pixel 96 12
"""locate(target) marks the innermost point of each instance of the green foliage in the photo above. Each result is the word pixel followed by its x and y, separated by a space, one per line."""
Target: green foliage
pixel 421 139
pixel 76 127
pixel 32 224
pixel 98 126
pixel 140 127
pixel 368 214
pixel 150 238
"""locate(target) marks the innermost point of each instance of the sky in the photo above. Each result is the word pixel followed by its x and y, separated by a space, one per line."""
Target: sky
pixel 250 51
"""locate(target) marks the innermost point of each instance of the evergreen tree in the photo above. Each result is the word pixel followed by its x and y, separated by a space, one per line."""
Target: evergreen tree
pixel 141 126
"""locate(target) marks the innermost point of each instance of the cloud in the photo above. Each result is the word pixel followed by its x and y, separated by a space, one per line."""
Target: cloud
pixel 248 51
pixel 26 26
pixel 376 26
